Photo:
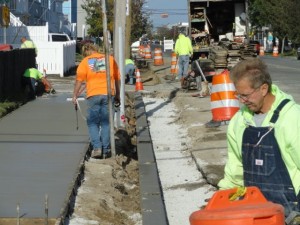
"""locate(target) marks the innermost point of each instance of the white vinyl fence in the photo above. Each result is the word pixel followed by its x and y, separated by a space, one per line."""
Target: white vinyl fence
pixel 56 57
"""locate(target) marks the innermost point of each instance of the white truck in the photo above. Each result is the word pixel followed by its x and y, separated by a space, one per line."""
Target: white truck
pixel 213 20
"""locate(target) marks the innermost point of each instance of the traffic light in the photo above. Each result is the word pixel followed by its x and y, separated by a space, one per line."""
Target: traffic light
pixel 4 16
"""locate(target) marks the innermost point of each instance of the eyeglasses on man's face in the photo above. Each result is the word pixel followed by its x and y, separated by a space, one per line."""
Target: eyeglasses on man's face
pixel 246 97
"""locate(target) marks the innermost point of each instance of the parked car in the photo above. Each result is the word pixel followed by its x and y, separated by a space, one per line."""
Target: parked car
pixel 298 53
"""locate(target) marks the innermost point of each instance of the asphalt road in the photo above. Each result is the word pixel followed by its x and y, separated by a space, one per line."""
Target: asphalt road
pixel 285 73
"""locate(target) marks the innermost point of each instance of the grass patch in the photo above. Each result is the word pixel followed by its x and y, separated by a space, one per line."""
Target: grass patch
pixel 7 107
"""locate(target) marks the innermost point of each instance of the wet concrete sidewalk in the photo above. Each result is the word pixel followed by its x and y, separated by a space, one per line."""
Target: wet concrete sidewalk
pixel 41 157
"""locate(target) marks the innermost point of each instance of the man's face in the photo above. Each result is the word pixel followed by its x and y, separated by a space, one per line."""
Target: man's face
pixel 253 98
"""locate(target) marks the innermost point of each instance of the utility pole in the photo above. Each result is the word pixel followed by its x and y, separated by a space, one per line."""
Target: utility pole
pixel 119 54
pixel 107 67
pixel 128 29
pixel 247 20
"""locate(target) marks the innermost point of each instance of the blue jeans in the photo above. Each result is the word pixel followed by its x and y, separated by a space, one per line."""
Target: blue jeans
pixel 98 122
pixel 129 72
pixel 183 65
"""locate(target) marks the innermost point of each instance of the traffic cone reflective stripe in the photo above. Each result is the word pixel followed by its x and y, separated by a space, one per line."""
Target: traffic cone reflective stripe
pixel 138 83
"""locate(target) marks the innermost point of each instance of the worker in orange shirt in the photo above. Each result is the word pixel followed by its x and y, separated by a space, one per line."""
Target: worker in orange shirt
pixel 92 72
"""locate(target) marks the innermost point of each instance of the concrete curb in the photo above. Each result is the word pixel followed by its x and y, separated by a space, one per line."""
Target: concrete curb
pixel 152 203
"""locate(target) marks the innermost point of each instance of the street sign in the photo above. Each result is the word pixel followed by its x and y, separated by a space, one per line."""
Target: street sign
pixel 4 16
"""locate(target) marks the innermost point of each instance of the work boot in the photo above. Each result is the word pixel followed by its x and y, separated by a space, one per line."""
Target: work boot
pixel 184 83
pixel 96 153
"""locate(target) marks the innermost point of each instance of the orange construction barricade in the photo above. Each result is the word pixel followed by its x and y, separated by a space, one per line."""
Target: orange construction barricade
pixel 158 59
pixel 138 82
pixel 251 208
pixel 275 51
pixel 174 64
pixel 224 103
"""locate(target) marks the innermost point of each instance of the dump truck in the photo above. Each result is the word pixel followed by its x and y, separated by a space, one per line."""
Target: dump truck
pixel 210 21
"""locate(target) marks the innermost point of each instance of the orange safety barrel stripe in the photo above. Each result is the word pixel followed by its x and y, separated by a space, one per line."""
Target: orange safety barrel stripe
pixel 223 95
pixel 221 79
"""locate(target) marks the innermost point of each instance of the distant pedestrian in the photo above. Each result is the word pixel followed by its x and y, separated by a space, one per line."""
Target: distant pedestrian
pixel 28 44
pixel 129 71
pixel 92 71
pixel 183 50
pixel 37 83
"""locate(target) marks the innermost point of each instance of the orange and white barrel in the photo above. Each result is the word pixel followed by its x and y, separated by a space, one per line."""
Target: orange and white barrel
pixel 261 51
pixel 275 51
pixel 142 51
pixel 174 64
pixel 158 58
pixel 224 103
pixel 148 54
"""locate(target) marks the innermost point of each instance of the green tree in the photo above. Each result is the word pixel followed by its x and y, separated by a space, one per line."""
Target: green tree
pixel 94 17
pixel 281 15
pixel 139 20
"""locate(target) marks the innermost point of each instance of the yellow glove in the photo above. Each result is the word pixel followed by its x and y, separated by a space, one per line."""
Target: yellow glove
pixel 241 191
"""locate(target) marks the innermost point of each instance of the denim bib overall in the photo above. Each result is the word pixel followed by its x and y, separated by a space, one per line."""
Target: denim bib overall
pixel 264 166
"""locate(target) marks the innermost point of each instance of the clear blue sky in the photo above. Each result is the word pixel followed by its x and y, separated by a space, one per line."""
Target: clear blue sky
pixel 176 10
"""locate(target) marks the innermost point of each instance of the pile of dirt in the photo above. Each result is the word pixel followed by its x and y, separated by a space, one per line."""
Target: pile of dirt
pixel 109 193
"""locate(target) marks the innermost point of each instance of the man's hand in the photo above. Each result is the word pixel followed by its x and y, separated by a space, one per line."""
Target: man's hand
pixel 117 101
pixel 74 100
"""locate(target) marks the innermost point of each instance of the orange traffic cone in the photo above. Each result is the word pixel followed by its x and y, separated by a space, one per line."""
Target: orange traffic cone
pixel 261 51
pixel 275 51
pixel 138 83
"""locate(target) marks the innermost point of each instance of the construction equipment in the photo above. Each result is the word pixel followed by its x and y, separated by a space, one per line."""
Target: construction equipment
pixel 212 21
